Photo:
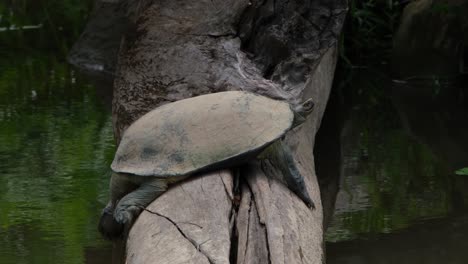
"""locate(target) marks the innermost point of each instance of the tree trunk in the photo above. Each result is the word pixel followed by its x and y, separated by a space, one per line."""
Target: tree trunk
pixel 180 49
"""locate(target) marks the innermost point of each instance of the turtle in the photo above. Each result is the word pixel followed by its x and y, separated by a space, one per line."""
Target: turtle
pixel 198 134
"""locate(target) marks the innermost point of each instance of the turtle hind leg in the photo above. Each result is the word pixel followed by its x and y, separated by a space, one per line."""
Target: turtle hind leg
pixel 294 178
pixel 280 157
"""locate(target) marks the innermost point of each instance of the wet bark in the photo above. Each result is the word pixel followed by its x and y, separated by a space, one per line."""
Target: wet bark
pixel 179 49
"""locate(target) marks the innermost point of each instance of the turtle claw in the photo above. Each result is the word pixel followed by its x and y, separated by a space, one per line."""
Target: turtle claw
pixel 123 217
pixel 310 204
pixel 304 196
pixel 109 228
pixel 112 226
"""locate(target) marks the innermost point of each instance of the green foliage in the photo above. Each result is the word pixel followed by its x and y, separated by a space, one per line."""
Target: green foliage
pixel 463 171
pixel 444 8
pixel 61 23
pixel 368 31
pixel 454 8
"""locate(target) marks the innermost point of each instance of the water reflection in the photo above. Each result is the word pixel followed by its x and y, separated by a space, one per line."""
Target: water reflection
pixel 434 242
pixel 397 170
pixel 14 27
pixel 56 142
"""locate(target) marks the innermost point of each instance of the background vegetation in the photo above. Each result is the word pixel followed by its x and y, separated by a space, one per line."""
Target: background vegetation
pixel 368 32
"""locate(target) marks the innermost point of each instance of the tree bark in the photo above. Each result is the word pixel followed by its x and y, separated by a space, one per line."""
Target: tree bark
pixel 277 48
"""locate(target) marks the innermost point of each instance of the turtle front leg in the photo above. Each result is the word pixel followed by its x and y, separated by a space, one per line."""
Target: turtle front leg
pixel 131 205
pixel 120 185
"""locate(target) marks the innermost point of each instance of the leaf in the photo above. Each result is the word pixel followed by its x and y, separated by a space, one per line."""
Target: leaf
pixel 463 171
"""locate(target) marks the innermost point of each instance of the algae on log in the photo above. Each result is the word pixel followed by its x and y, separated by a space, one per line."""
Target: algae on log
pixel 179 49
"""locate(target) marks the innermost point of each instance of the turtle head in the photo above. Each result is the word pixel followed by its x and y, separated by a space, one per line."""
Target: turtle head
pixel 302 111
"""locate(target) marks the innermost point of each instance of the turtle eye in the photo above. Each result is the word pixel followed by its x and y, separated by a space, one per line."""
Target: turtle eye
pixel 308 105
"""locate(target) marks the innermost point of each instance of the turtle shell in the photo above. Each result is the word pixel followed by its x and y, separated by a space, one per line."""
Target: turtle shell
pixel 206 131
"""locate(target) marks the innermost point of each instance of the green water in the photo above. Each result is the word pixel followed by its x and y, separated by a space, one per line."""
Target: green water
pixel 56 143
pixel 399 198
pixel 56 139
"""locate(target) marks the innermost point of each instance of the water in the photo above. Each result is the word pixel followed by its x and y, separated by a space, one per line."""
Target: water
pixel 56 141
pixel 438 241
pixel 387 153
pixel 398 200
pixel 56 144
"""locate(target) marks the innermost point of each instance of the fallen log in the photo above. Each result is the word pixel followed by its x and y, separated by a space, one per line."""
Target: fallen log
pixel 179 49
pixel 193 221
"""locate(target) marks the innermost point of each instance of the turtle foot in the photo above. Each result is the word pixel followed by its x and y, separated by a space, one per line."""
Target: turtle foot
pixel 109 228
pixel 113 226
pixel 304 196
pixel 126 214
